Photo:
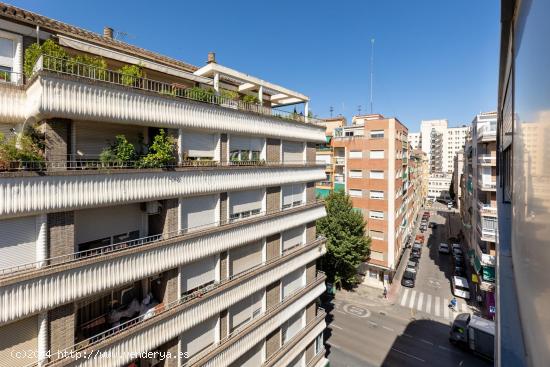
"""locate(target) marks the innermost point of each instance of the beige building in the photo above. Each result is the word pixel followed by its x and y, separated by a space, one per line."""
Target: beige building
pixel 325 155
pixel 201 244
pixel 372 159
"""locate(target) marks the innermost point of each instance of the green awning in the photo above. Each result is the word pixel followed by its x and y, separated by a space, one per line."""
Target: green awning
pixel 339 187
pixel 322 193
pixel 477 264
pixel 328 139
pixel 488 273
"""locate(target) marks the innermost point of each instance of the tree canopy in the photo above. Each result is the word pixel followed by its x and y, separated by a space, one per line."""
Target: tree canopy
pixel 347 245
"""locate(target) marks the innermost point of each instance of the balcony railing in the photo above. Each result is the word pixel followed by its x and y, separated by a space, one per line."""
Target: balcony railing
pixel 485 185
pixel 10 77
pixel 339 160
pixel 486 209
pixel 487 133
pixel 487 159
pixel 76 164
pixel 116 247
pixel 199 293
pixel 487 234
pixel 70 67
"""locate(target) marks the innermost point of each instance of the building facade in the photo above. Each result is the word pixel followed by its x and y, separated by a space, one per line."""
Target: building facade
pixel 457 178
pixel 325 155
pixel 372 157
pixel 153 206
pixel 523 186
pixel 415 140
pixel 479 207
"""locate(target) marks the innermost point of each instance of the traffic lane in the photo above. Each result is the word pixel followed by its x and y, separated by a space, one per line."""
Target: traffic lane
pixel 341 358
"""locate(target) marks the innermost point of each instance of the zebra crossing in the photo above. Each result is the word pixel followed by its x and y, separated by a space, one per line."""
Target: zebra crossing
pixel 433 305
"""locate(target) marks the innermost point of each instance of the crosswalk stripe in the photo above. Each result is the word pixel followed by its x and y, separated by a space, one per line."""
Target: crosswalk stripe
pixel 446 308
pixel 429 304
pixel 420 299
pixel 413 296
pixel 404 298
pixel 437 303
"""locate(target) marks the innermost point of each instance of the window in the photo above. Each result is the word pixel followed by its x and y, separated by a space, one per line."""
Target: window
pixel 198 146
pixel 376 175
pixel 355 174
pixel 293 152
pixel 355 192
pixel 376 154
pixel 292 326
pixel 355 154
pixel 377 255
pixel 292 195
pixel 10 51
pixel 244 204
pixel 293 237
pixel 375 214
pixel 377 134
pixel 376 235
pixel 374 194
pixel 243 148
pixel 319 344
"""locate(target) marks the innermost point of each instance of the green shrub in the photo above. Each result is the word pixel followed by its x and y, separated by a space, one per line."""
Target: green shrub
pixel 21 150
pixel 131 74
pixel 49 47
pixel 89 66
pixel 251 99
pixel 229 94
pixel 121 151
pixel 161 153
pixel 5 76
pixel 200 94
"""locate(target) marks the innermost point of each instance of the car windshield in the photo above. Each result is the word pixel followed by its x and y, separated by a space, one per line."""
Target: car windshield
pixel 409 274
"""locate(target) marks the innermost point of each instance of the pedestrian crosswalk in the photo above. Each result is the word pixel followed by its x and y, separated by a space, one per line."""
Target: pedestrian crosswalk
pixel 433 305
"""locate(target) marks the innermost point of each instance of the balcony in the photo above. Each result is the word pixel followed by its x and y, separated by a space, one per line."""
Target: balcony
pixel 30 193
pixel 486 185
pixel 487 133
pixel 123 263
pixel 486 160
pixel 148 332
pixel 340 161
pixel 486 209
pixel 59 90
pixel 324 184
pixel 487 234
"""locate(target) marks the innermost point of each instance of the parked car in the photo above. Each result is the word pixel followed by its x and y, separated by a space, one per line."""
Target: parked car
pixel 414 259
pixel 458 251
pixel 427 213
pixel 461 288
pixel 444 248
pixel 411 265
pixel 432 225
pixel 419 238
pixel 409 277
pixel 455 245
pixel 458 260
pixel 459 271
pixel 416 253
pixel 422 228
pixel 417 246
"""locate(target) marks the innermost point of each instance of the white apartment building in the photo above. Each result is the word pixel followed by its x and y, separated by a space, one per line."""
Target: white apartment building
pixel 153 206
pixel 415 140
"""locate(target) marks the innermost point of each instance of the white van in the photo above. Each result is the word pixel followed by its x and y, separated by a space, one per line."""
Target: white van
pixel 460 287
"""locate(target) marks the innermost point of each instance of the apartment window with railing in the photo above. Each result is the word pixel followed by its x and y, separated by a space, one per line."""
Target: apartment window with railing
pixel 376 154
pixel 356 173
pixel 319 344
pixel 355 154
pixel 375 214
pixel 377 235
pixel 377 134
pixel 376 194
pixel 379 175
pixel 9 53
pixel 356 193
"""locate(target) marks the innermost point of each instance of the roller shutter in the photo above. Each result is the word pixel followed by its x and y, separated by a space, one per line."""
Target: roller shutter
pixel 91 139
pixel 292 326
pixel 245 257
pixel 198 273
pixel 199 212
pixel 245 310
pixel 293 152
pixel 293 195
pixel 18 336
pixel 245 201
pixel 199 337
pixel 293 281
pixel 245 143
pixel 293 237
pixel 17 241
pixel 199 145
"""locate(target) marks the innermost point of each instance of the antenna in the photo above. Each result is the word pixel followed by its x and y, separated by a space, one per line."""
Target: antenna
pixel 371 70
pixel 359 109
pixel 331 110
pixel 122 36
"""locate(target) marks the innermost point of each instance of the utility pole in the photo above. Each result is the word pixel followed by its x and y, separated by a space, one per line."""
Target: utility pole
pixel 359 110
pixel 371 70
pixel 331 110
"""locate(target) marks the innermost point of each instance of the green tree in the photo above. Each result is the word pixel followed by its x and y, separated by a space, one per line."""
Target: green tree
pixel 347 245
pixel 162 152
pixel 120 151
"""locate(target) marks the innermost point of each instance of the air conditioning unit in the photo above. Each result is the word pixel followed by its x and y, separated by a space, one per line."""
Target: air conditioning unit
pixel 153 207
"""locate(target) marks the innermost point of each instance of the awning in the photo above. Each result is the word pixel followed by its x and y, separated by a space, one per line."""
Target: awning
pixel 475 279
pixel 322 193
pixel 328 139
pixel 477 264
pixel 488 273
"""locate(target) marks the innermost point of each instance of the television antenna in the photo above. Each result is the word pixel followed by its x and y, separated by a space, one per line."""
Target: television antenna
pixel 371 71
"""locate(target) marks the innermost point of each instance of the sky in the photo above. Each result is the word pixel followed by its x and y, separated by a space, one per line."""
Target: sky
pixel 433 58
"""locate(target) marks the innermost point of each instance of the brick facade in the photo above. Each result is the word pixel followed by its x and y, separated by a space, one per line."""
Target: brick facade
pixel 57 135
pixel 311 270
pixel 311 153
pixel 273 244
pixel 172 347
pixel 273 198
pixel 273 294
pixel 223 148
pixel 170 210
pixel 223 265
pixel 310 192
pixel 273 151
pixel 310 352
pixel 223 324
pixel 61 328
pixel 273 342
pixel 223 207
pixel 311 311
pixel 61 234
pixel 170 286
pixel 311 232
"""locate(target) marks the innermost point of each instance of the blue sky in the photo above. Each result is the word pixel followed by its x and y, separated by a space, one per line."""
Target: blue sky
pixel 433 58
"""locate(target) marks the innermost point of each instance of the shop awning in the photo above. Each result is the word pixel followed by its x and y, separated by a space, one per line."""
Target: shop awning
pixel 328 139
pixel 488 273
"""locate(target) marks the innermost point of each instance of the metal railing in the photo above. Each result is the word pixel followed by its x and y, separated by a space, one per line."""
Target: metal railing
pixel 11 77
pixel 484 185
pixel 73 68
pixel 116 247
pixel 86 343
pixel 486 208
pixel 487 132
pixel 76 164
pixel 486 159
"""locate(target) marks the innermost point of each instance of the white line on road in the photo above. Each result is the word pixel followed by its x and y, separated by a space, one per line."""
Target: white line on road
pixel 420 299
pixel 444 348
pixel 446 308
pixel 336 326
pixel 335 310
pixel 408 355
pixel 413 296
pixel 437 304
pixel 429 304
pixel 407 335
pixel 373 323
pixel 404 298
pixel 426 341
pixel 387 328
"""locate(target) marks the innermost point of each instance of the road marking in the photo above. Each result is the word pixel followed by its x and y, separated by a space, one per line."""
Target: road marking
pixel 407 335
pixel 444 348
pixel 373 323
pixel 420 299
pixel 339 311
pixel 408 355
pixel 426 341
pixel 336 326
pixel 446 308
pixel 413 296
pixel 404 298
pixel 387 328
pixel 437 303
pixel 429 304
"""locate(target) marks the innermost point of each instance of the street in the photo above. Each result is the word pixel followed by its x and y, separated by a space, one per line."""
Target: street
pixel 411 329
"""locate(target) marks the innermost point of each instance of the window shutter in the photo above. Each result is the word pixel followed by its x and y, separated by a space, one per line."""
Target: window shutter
pixel 245 257
pixel 198 273
pixel 198 145
pixel 199 212
pixel 293 237
pixel 241 201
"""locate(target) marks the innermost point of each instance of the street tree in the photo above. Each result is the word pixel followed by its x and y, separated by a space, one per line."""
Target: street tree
pixel 347 245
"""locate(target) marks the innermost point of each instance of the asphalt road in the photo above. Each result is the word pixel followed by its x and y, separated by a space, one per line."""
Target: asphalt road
pixel 408 332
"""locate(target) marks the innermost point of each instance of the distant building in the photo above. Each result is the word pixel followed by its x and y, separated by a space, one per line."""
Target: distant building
pixel 325 155
pixel 415 140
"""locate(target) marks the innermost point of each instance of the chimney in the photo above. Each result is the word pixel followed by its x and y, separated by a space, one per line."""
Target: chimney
pixel 108 32
pixel 211 57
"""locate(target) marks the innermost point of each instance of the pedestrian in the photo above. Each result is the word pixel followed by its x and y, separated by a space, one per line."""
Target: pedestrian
pixel 452 304
pixel 385 293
